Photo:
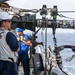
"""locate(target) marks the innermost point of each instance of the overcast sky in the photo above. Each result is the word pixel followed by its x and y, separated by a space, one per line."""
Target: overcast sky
pixel 63 5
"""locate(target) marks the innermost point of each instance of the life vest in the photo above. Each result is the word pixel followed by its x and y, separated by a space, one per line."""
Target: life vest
pixel 5 50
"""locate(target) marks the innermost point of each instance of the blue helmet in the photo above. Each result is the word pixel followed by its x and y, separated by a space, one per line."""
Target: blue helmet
pixel 19 29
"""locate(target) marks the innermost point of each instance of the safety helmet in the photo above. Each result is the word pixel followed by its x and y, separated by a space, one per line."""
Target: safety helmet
pixel 19 29
pixel 4 16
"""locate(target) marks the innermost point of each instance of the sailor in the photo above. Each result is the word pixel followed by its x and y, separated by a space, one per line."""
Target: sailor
pixel 8 47
pixel 24 43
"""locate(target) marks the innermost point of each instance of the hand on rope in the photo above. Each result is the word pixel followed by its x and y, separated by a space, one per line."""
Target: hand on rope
pixel 52 58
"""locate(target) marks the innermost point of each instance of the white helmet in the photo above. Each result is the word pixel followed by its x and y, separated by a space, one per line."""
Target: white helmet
pixel 4 16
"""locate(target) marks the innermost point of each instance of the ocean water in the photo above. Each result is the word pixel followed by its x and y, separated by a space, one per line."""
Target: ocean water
pixel 63 37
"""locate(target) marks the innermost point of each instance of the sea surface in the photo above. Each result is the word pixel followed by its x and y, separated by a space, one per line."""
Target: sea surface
pixel 63 37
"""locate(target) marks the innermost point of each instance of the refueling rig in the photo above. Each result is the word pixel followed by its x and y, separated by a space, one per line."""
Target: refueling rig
pixel 52 62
